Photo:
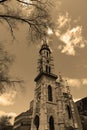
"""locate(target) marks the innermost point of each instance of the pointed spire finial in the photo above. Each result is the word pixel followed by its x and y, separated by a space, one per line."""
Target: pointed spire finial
pixel 60 77
pixel 44 40
pixel 67 87
pixel 66 82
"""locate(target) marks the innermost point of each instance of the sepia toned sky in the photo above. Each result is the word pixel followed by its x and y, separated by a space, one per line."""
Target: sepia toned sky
pixel 68 42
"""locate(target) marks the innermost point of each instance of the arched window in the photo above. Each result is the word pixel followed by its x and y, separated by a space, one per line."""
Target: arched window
pixel 50 93
pixel 48 69
pixel 69 111
pixel 51 123
pixel 36 121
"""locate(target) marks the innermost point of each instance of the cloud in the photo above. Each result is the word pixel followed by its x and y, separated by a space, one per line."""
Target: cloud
pixel 84 81
pixel 71 37
pixel 63 20
pixel 77 83
pixel 49 31
pixel 12 114
pixel 26 9
pixel 74 82
pixel 8 98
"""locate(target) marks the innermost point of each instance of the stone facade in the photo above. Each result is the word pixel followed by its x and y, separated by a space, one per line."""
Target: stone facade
pixel 53 107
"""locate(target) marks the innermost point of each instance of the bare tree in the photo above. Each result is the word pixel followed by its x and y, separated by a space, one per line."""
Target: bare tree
pixel 32 12
pixel 35 14
pixel 5 79
pixel 5 61
pixel 4 122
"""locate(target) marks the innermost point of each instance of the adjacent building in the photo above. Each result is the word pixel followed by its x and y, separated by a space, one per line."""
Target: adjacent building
pixel 23 120
pixel 82 108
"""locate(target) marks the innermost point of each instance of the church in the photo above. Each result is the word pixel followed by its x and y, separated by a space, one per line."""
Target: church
pixel 53 107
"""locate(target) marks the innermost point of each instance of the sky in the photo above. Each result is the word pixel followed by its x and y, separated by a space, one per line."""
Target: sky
pixel 68 42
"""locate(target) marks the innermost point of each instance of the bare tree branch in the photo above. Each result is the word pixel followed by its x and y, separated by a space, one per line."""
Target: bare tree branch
pixel 38 20
pixel 11 29
pixel 4 122
pixel 1 1
pixel 5 79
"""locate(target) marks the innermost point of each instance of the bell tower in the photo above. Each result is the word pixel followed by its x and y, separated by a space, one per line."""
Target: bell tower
pixel 53 107
pixel 45 62
pixel 45 59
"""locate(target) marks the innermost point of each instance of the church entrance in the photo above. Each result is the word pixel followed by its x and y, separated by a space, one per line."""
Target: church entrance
pixel 36 122
pixel 51 123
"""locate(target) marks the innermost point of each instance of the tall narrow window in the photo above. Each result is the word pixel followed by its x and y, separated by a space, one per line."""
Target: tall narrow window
pixel 51 123
pixel 49 93
pixel 36 122
pixel 47 54
pixel 47 68
pixel 69 111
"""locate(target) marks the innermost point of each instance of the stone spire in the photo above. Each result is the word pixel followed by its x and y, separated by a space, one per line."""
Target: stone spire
pixel 45 62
